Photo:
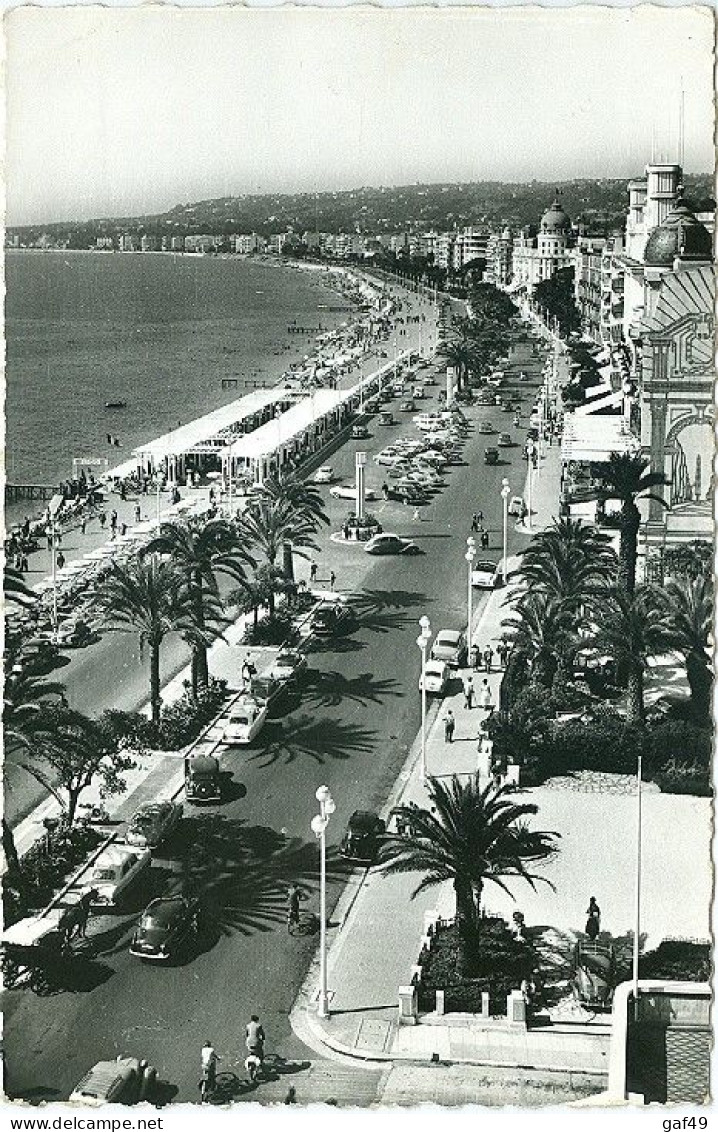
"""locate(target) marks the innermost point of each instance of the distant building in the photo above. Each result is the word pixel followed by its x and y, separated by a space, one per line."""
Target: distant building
pixel 104 243
pixel 177 244
pixel 536 258
pixel 128 242
pixel 149 243
pixel 444 249
pixel 248 244
pixel 200 244
pixel 469 244
pixel 588 260
pixel 499 251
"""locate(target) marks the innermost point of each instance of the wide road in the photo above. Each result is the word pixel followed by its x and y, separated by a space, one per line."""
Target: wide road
pixel 112 673
pixel 351 729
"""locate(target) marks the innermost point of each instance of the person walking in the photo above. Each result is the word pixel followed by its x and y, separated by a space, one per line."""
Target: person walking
pixel 480 518
pixel 469 694
pixel 103 520
pixel 475 523
pixel 138 513
pixel 313 572
pixel 476 657
pixel 332 580
pixel 60 560
pixel 488 658
pixel 294 897
pixel 484 540
pixel 485 696
pixel 449 725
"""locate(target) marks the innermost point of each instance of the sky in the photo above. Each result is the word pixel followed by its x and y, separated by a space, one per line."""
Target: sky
pixel 119 112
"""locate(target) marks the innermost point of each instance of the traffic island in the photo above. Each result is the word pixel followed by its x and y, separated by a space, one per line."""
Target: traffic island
pixel 356 529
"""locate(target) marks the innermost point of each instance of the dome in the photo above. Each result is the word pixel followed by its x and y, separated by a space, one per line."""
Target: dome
pixel 555 221
pixel 680 234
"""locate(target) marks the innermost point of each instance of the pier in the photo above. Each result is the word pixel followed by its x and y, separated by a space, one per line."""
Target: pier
pixel 17 492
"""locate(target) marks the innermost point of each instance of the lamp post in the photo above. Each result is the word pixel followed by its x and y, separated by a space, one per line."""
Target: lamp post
pixel 530 482
pixel 470 556
pixel 505 492
pixel 319 829
pixel 423 642
pixel 637 925
pixel 53 510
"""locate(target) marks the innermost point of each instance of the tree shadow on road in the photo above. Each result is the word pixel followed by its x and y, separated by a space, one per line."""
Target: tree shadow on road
pixel 320 739
pixel 329 689
pixel 242 873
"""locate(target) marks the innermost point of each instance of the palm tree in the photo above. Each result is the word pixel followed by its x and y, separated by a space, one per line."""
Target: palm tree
pixel 147 596
pixel 303 499
pixel 201 551
pixel 626 477
pixel 267 524
pixel 542 630
pixel 15 587
pixel 458 355
pixel 632 628
pixel 689 608
pixel 470 836
pixel 568 561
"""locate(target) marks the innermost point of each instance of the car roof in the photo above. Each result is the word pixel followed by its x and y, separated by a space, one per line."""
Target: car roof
pixel 205 764
pixel 151 808
pixel 484 564
pixel 99 1080
pixel 116 855
pixel 165 908
pixel 363 818
pixel 448 635
pixel 434 664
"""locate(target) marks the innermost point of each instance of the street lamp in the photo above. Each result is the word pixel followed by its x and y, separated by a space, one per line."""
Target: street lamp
pixel 53 510
pixel 319 829
pixel 505 492
pixel 470 556
pixel 530 480
pixel 423 642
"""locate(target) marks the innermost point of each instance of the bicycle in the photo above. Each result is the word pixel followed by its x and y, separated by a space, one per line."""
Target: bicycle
pixel 207 1085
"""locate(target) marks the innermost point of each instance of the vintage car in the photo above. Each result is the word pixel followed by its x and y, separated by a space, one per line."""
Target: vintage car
pixel 165 927
pixel 246 719
pixel 363 836
pixel 152 823
pixel 202 780
pixel 594 976
pixel 126 1080
pixel 116 868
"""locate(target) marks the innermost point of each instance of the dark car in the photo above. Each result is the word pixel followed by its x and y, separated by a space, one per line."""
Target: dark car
pixel 330 619
pixel 594 977
pixel 165 926
pixel 202 782
pixel 363 836
pixel 491 456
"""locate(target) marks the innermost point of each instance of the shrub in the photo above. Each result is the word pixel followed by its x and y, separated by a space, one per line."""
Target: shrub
pixel 182 721
pixel 501 963
pixel 44 868
pixel 276 630
pixel 683 778
pixel 679 959
pixel 679 739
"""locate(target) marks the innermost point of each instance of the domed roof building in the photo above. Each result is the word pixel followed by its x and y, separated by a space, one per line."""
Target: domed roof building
pixel 680 236
pixel 555 221
pixel 538 258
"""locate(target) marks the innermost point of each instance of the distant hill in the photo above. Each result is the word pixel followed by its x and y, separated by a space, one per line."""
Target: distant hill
pixel 599 204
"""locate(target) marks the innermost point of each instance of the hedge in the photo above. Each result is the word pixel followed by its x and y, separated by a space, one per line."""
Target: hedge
pixel 501 964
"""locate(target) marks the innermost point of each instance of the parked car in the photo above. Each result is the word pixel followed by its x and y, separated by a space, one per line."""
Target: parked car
pixel 386 418
pixel 348 491
pixel 267 690
pixel 429 381
pixel 202 782
pixel 516 506
pixel 165 926
pixel 435 677
pixel 409 494
pixel 325 474
pixel 486 427
pixel 288 666
pixel 505 440
pixel 246 719
pixel 594 977
pixel 388 543
pixel 360 432
pixel 75 634
pixel 331 618
pixel 116 868
pixel 485 575
pixel 450 646
pixel 126 1080
pixel 408 406
pixel 491 455
pixel 363 836
pixel 153 823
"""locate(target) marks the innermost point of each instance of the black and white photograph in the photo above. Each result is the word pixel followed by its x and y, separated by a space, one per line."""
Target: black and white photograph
pixel 358 565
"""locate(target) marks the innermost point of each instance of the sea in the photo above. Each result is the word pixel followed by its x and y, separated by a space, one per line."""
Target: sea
pixel 164 333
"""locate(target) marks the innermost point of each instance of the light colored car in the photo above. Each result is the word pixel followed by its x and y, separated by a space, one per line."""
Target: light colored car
pixel 388 543
pixel 287 665
pixel 116 868
pixel 123 1081
pixel 505 440
pixel 485 575
pixel 246 719
pixel 153 823
pixel 348 491
pixel 359 432
pixel 450 647
pixel 516 506
pixel 325 474
pixel 435 677
pixel 486 427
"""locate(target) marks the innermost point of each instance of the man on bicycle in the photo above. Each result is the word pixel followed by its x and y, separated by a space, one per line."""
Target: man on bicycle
pixel 255 1037
pixel 293 898
pixel 210 1057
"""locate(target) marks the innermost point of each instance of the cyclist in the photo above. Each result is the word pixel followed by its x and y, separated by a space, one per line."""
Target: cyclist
pixel 255 1038
pixel 293 898
pixel 208 1080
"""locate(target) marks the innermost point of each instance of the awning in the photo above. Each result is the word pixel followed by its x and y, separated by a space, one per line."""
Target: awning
pixel 187 437
pixel 601 390
pixel 609 401
pixel 590 438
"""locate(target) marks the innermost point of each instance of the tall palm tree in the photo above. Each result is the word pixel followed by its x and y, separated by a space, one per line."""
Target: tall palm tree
pixel 568 561
pixel 458 355
pixel 470 836
pixel 689 610
pixel 303 499
pixel 626 478
pixel 202 550
pixel 148 596
pixel 16 589
pixel 267 524
pixel 632 628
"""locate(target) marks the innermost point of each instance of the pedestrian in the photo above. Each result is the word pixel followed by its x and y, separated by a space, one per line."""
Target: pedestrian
pixel 123 529
pixel 313 572
pixel 476 657
pixel 123 491
pixel 488 657
pixel 103 520
pixel 255 1037
pixel 449 725
pixel 138 513
pixel 593 923
pixel 480 517
pixel 24 562
pixel 485 696
pixel 60 560
pixel 332 580
pixel 113 520
pixel 48 534
pixel 469 694
pixel 385 490
pixel 83 524
pixel 475 523
pixel 484 540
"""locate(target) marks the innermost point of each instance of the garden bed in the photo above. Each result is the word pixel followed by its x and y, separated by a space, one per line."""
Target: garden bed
pixel 501 963
pixel 46 866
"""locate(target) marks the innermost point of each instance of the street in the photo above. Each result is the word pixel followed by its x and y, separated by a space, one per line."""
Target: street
pixel 350 728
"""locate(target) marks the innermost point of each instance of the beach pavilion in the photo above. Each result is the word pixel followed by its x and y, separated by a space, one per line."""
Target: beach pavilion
pixel 199 445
